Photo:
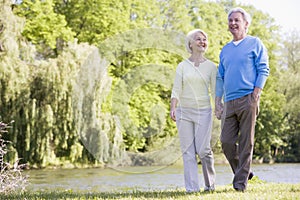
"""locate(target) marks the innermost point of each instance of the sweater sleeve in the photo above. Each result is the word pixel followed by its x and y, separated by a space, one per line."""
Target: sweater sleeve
pixel 262 65
pixel 220 81
pixel 213 83
pixel 177 85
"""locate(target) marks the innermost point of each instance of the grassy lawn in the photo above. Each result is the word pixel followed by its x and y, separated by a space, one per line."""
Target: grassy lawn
pixel 257 189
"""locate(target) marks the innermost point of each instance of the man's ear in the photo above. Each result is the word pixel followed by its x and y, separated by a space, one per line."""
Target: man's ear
pixel 247 24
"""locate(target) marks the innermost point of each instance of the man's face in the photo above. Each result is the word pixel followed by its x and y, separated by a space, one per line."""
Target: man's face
pixel 236 24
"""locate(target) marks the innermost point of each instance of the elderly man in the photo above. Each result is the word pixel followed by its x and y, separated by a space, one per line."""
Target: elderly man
pixel 242 73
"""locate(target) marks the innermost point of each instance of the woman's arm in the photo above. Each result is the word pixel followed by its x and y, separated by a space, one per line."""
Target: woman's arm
pixel 173 108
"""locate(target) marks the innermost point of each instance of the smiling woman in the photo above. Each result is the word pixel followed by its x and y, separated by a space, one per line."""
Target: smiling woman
pixel 190 108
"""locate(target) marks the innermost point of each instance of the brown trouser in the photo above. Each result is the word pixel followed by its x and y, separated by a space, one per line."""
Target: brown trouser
pixel 237 136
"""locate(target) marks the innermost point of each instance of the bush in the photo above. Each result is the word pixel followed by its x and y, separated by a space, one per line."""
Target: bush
pixel 11 178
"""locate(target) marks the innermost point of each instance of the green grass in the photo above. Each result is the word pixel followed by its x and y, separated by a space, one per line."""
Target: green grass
pixel 257 189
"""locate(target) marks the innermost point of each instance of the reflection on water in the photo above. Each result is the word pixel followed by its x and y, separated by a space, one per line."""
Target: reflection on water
pixel 146 178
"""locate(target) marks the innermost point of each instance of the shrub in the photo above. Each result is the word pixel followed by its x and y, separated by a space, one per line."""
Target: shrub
pixel 11 178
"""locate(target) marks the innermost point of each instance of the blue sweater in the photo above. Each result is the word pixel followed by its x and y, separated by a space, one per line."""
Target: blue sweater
pixel 242 67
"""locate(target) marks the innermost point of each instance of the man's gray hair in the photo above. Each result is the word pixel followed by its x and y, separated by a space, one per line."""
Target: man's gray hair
pixel 246 15
pixel 190 37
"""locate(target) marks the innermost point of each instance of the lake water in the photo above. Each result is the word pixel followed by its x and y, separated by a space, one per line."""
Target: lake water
pixel 146 178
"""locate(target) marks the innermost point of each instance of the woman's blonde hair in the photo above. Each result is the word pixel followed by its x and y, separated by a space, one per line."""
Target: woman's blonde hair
pixel 190 37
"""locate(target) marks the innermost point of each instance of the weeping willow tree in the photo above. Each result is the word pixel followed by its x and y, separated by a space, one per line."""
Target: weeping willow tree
pixel 14 73
pixel 37 95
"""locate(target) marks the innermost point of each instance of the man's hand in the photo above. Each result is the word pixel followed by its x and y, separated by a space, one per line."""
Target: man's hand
pixel 218 107
pixel 256 93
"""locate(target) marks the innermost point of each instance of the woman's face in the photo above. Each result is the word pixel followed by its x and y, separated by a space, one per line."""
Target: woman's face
pixel 199 42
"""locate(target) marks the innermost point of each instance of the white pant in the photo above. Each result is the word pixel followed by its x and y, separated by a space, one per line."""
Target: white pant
pixel 194 128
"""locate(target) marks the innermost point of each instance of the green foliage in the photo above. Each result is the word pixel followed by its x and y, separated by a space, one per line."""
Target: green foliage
pixel 43 27
pixel 14 74
pixel 270 134
pixel 289 86
pixel 38 92
pixel 96 20
pixel 211 18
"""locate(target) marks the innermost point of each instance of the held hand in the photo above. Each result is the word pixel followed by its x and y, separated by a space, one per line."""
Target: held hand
pixel 172 114
pixel 218 107
pixel 219 112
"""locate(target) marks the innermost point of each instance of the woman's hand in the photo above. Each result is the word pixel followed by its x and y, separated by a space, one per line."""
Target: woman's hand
pixel 173 108
pixel 172 114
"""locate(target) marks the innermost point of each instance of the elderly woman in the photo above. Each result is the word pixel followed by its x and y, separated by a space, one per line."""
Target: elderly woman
pixel 193 89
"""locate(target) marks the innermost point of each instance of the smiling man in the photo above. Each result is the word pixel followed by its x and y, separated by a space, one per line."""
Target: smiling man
pixel 242 73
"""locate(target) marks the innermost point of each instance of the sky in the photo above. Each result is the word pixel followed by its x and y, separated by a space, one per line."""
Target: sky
pixel 285 12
